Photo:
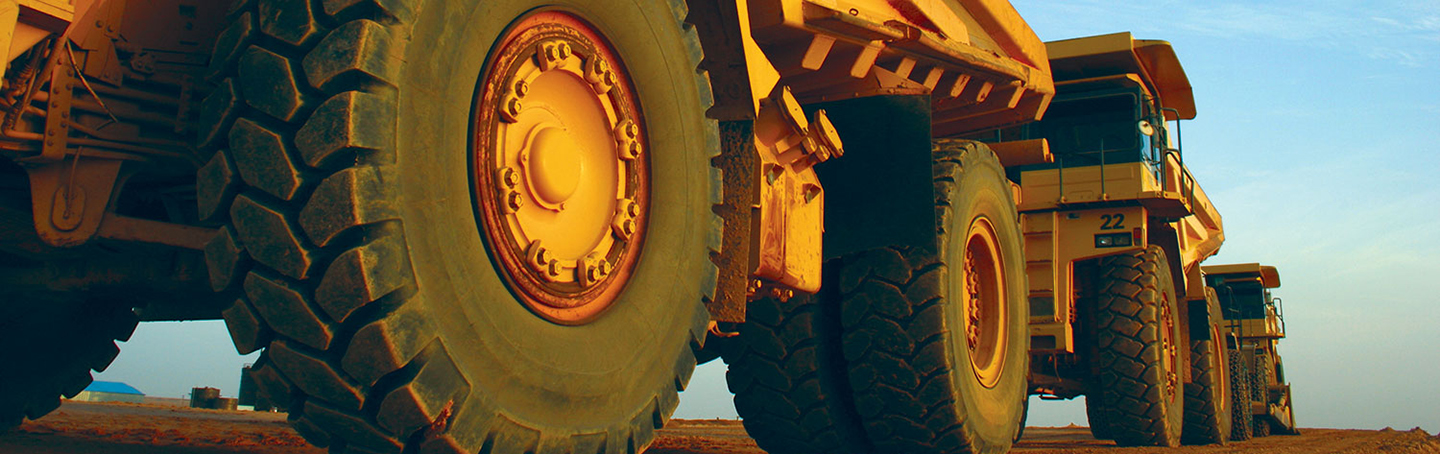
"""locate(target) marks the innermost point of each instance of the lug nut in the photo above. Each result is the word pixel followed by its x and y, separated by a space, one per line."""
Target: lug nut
pixel 553 54
pixel 623 228
pixel 538 257
pixel 594 269
pixel 513 201
pixel 626 134
pixel 509 177
pixel 522 88
pixel 510 108
pixel 631 151
pixel 628 129
pixel 598 74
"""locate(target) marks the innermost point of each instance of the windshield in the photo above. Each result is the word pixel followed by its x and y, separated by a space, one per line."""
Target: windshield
pixel 1079 128
pixel 1244 301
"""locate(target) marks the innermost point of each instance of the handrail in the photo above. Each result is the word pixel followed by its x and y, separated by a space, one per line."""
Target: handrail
pixel 1185 182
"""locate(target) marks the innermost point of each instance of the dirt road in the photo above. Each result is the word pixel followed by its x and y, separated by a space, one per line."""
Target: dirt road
pixel 87 428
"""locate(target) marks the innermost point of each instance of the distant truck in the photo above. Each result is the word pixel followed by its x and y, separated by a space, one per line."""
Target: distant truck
pixel 1115 229
pixel 1257 320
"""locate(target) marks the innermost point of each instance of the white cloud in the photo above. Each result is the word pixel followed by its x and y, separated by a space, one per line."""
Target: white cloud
pixel 1398 33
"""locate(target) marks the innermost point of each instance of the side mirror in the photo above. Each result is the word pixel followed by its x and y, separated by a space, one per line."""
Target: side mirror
pixel 1146 128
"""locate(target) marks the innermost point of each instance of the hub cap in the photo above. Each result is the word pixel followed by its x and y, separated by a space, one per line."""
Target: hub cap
pixel 984 303
pixel 561 178
pixel 1168 347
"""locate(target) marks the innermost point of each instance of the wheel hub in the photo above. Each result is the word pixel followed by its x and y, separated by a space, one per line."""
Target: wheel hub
pixel 554 166
pixel 1168 347
pixel 561 183
pixel 984 303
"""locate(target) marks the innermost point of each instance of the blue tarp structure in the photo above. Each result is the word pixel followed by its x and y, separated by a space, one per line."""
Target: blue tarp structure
pixel 113 388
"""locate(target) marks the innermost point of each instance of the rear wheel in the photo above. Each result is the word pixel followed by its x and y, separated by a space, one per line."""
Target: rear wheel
pixel 435 219
pixel 788 374
pixel 1240 416
pixel 937 342
pixel 1260 392
pixel 1207 403
pixel 1139 399
pixel 1098 425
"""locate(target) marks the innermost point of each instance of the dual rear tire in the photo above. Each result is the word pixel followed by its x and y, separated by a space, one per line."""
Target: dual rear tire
pixel 906 349
pixel 1207 397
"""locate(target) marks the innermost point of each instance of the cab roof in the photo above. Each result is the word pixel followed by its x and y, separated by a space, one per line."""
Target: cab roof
pixel 1118 54
pixel 1268 275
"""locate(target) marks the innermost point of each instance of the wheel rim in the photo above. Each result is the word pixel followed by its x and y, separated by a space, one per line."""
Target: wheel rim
pixel 561 180
pixel 1217 352
pixel 986 328
pixel 1169 350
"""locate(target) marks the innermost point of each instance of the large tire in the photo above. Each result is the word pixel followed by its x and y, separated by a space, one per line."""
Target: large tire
pixel 788 375
pixel 1139 399
pixel 1240 416
pixel 1024 417
pixel 50 350
pixel 353 242
pixel 1207 404
pixel 906 321
pixel 1260 392
pixel 1098 425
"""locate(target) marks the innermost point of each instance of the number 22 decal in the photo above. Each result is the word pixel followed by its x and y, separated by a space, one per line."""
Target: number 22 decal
pixel 1113 221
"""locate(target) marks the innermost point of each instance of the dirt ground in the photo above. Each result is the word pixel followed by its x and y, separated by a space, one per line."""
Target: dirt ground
pixel 79 427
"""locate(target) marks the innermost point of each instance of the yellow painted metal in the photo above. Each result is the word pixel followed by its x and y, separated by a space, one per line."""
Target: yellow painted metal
pixel 1022 153
pixel 792 203
pixel 52 16
pixel 985 62
pixel 1268 275
pixel 563 151
pixel 984 303
pixel 565 164
pixel 1268 327
pixel 1120 54
pixel 984 65
pixel 1054 241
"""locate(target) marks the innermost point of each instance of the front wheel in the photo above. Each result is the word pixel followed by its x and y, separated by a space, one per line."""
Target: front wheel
pixel 464 225
pixel 1139 398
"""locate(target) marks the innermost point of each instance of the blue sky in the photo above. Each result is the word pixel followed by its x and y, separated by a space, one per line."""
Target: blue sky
pixel 1316 139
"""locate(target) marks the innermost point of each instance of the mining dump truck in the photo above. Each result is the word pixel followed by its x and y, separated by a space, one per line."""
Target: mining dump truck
pixel 1115 229
pixel 516 225
pixel 1256 320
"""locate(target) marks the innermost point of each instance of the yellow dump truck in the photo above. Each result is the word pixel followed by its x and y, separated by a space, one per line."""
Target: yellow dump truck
pixel 1115 229
pixel 1256 320
pixel 516 225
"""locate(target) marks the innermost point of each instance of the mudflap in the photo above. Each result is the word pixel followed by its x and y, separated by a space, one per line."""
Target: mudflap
pixel 880 193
